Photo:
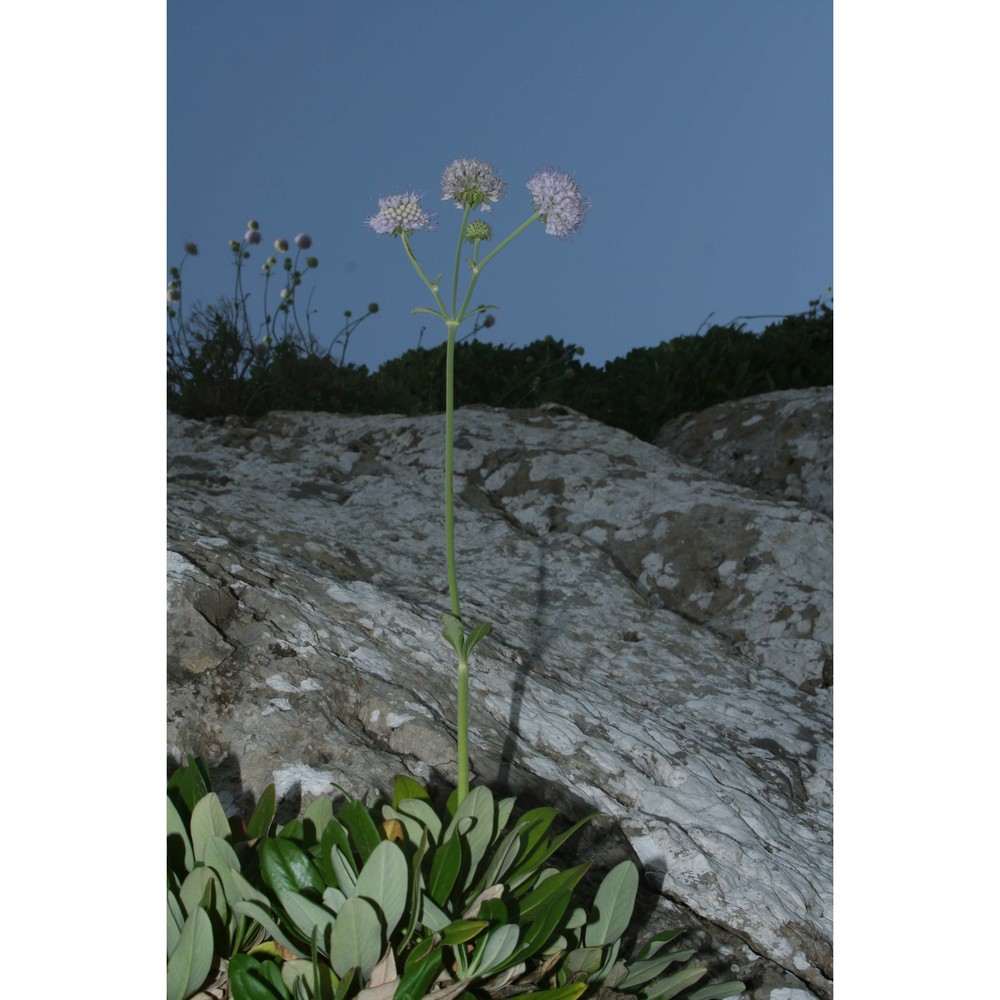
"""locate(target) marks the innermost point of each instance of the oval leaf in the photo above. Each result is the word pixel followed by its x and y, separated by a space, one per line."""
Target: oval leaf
pixel 613 905
pixel 356 940
pixel 189 965
pixel 285 867
pixel 384 882
pixel 208 819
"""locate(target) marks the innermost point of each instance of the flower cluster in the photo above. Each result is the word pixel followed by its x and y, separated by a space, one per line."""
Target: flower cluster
pixel 472 183
pixel 561 206
pixel 400 214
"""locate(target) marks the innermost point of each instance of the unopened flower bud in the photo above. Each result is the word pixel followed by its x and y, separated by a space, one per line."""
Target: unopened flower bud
pixel 175 272
pixel 477 230
pixel 253 224
pixel 373 307
pixel 281 245
pixel 347 313
pixel 173 295
pixel 288 263
pixel 312 262
pixel 303 241
pixel 233 245
pixel 191 249
pixel 488 321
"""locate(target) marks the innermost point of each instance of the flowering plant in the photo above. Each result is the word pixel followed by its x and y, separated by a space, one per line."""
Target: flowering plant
pixel 471 184
pixel 219 360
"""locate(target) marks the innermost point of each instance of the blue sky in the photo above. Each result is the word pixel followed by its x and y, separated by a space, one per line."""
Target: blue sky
pixel 701 131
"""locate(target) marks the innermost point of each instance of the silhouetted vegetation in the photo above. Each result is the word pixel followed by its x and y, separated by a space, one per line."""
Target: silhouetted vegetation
pixel 216 371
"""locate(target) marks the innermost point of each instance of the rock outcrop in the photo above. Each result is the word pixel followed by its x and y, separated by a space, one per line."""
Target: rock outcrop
pixel 661 648
pixel 779 444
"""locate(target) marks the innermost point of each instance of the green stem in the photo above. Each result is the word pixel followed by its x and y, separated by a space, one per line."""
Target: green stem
pixel 449 471
pixel 477 268
pixel 463 729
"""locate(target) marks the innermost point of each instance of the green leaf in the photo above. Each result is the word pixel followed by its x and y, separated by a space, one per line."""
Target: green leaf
pixel 208 819
pixel 432 916
pixel 503 859
pixel 263 815
pixel 476 636
pixel 444 870
pixel 333 899
pixel 319 813
pixel 201 888
pixel 542 851
pixel 355 816
pixel 180 853
pixel 643 972
pixel 585 961
pixel 495 949
pixel 655 943
pixel 356 940
pixel 613 905
pixel 191 961
pixel 719 991
pixel 569 992
pixel 454 634
pixel 460 931
pixel 404 787
pixel 424 814
pixel 477 806
pixel 222 859
pixel 336 836
pixel 265 918
pixel 544 894
pixel 664 989
pixel 383 881
pixel 303 974
pixel 540 930
pixel 250 979
pixel 175 921
pixel 346 879
pixel 189 784
pixel 308 916
pixel 419 974
pixel 285 867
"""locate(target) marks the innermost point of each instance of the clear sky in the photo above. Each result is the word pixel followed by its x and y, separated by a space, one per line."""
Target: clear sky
pixel 701 131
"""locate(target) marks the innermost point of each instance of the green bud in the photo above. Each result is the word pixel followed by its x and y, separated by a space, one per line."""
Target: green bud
pixel 253 224
pixel 288 263
pixel 477 230
pixel 347 313
pixel 174 272
pixel 373 307
pixel 233 245
pixel 312 262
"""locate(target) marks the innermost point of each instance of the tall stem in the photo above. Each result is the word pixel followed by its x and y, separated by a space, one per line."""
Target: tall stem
pixel 449 468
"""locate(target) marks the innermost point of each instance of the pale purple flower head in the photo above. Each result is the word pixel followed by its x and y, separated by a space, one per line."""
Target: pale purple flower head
pixel 558 201
pixel 400 213
pixel 252 236
pixel 471 182
pixel 303 241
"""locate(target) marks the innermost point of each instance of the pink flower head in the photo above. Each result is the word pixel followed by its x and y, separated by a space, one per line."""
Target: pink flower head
pixel 400 214
pixel 558 201
pixel 471 182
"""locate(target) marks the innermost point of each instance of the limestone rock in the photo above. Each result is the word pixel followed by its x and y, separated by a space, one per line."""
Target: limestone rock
pixel 778 443
pixel 660 650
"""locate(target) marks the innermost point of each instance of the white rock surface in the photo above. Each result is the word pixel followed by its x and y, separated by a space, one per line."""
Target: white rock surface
pixel 661 647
